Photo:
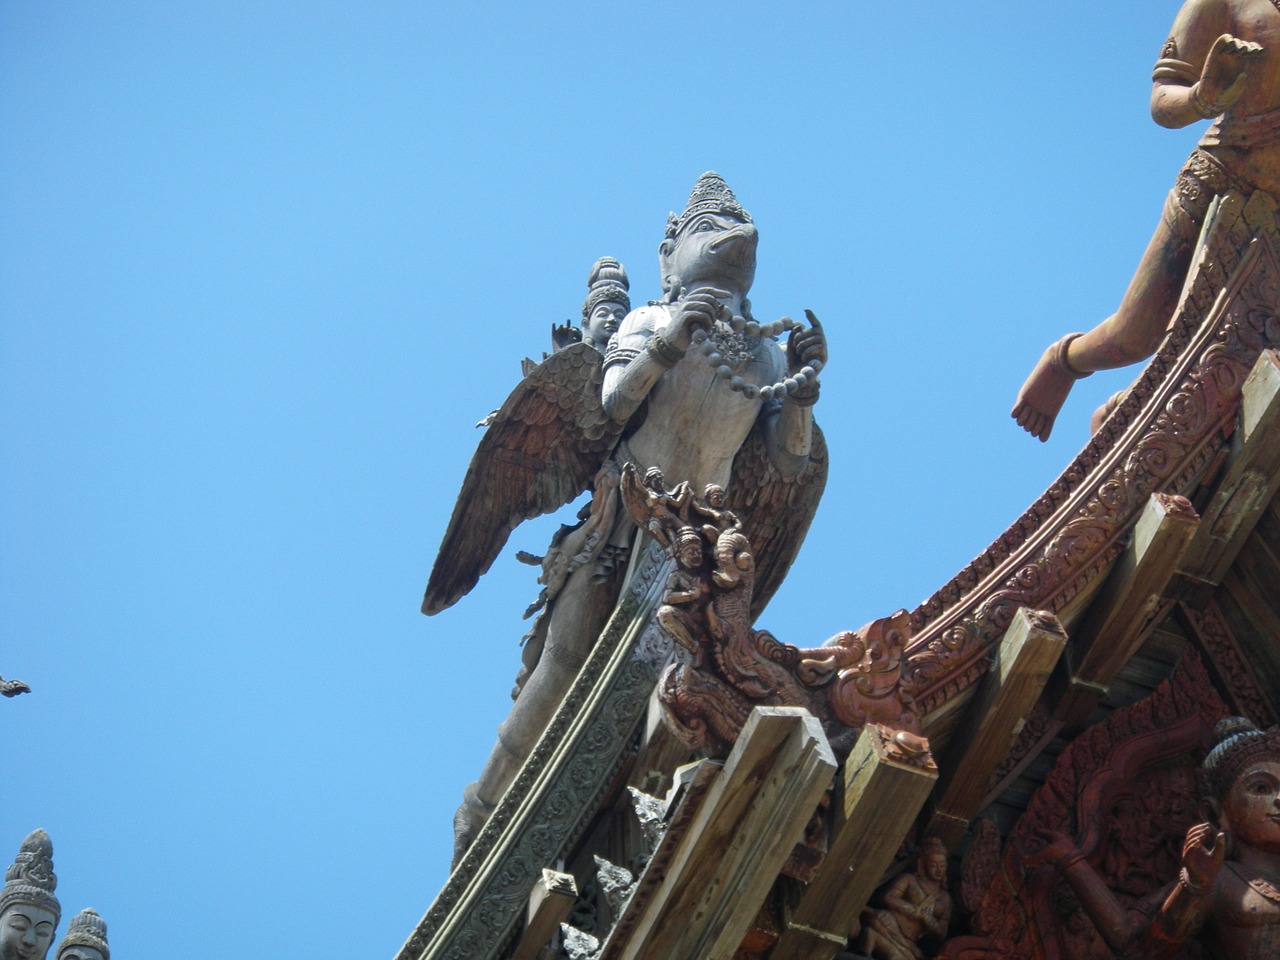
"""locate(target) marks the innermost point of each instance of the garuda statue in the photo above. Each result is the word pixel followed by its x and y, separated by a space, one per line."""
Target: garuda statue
pixel 691 384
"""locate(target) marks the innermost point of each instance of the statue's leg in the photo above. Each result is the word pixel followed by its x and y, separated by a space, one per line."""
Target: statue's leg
pixel 1134 331
pixel 581 611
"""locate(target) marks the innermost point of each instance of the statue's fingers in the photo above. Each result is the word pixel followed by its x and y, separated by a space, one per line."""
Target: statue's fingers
pixel 813 320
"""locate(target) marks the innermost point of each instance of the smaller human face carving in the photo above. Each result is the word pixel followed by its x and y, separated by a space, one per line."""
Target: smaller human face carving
pixel 80 953
pixel 935 867
pixel 603 322
pixel 1251 808
pixel 690 554
pixel 26 932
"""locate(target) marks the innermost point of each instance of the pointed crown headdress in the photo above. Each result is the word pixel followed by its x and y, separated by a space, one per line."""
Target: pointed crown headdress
pixel 86 929
pixel 30 878
pixel 607 283
pixel 710 194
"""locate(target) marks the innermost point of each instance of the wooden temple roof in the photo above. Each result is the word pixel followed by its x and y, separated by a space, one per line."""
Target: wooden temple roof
pixel 1159 545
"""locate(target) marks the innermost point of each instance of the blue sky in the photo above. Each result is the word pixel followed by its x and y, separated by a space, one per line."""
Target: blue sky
pixel 263 266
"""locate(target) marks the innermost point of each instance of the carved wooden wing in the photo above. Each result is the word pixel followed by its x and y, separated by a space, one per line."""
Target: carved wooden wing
pixel 775 510
pixel 542 448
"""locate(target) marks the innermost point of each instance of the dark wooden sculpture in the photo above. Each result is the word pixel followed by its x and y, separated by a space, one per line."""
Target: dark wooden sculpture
pixel 727 666
pixel 1220 62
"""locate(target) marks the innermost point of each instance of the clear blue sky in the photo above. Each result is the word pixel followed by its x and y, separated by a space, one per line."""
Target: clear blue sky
pixel 263 266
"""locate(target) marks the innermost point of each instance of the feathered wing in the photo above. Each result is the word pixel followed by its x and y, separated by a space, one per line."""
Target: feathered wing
pixel 542 448
pixel 775 510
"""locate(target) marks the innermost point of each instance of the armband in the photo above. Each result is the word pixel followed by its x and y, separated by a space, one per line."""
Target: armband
pixel 615 354
pixel 1167 68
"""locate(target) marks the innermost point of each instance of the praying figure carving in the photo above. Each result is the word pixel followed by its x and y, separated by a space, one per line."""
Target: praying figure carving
pixel 1227 894
pixel 726 666
pixel 691 384
pixel 29 911
pixel 86 938
pixel 1221 63
pixel 915 906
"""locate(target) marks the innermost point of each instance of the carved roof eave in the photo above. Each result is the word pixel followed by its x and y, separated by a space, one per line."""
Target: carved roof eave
pixel 1171 425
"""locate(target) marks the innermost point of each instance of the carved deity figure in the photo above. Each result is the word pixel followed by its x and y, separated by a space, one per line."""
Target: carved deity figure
pixel 86 938
pixel 690 384
pixel 915 905
pixel 1221 62
pixel 29 911
pixel 1228 890
pixel 608 302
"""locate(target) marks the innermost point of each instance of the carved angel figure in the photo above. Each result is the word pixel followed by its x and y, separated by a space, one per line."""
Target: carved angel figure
pixel 1221 63
pixel 1228 889
pixel 735 411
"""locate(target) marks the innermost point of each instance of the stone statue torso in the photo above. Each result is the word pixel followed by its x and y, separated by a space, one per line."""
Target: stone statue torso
pixel 695 422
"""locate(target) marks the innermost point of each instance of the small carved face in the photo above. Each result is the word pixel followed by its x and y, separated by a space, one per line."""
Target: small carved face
pixel 80 953
pixel 1251 808
pixel 603 323
pixel 712 247
pixel 26 932
pixel 690 554
pixel 714 495
pixel 934 866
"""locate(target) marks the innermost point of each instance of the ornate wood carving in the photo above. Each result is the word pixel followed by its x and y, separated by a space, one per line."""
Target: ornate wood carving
pixel 724 667
pixel 477 910
pixel 1169 426
pixel 1210 629
pixel 1126 790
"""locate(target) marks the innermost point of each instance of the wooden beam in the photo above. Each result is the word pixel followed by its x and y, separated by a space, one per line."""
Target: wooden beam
pixel 1251 478
pixel 743 831
pixel 660 752
pixel 885 786
pixel 550 901
pixel 1024 659
pixel 1126 607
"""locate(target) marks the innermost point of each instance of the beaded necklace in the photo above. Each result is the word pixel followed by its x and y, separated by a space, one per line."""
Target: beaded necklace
pixel 732 344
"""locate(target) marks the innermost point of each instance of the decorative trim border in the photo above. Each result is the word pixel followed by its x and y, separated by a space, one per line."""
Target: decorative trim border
pixel 557 791
pixel 1159 439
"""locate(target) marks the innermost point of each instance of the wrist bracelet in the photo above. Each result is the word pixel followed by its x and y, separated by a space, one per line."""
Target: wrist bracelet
pixel 1184 880
pixel 805 397
pixel 1201 107
pixel 663 351
pixel 1061 361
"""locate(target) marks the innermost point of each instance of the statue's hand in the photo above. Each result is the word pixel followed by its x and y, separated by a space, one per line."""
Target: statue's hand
pixel 1058 849
pixel 1225 73
pixel 1202 856
pixel 696 311
pixel 807 347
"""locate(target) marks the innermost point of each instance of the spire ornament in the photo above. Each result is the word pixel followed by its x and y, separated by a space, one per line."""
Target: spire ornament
pixel 30 878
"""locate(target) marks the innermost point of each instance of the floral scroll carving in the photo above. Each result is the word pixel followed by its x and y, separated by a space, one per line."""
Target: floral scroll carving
pixel 1160 438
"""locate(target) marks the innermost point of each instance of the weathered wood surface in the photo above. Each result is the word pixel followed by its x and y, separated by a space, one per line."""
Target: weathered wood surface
pixel 745 828
pixel 550 901
pixel 883 793
pixel 1026 656
pixel 1127 607
pixel 1251 479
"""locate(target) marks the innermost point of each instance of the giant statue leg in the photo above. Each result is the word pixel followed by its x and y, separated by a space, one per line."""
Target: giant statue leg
pixel 1134 331
pixel 581 611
